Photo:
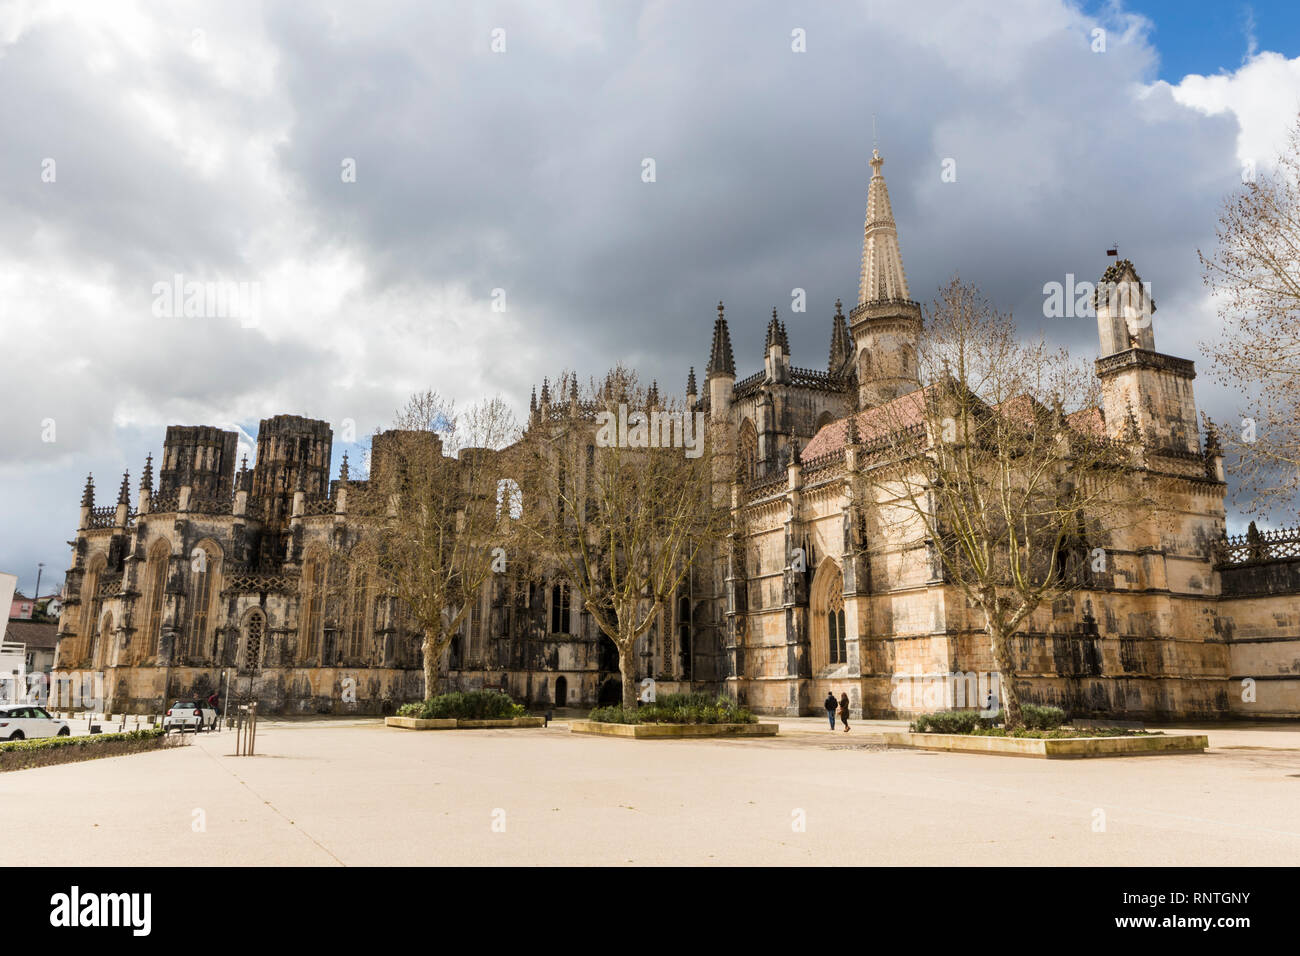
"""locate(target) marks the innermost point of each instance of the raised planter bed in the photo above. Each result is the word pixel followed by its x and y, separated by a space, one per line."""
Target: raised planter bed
pixel 47 751
pixel 671 731
pixel 453 723
pixel 1053 748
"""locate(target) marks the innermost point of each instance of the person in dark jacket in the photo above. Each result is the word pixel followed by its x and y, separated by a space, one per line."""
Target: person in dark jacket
pixel 844 711
pixel 830 706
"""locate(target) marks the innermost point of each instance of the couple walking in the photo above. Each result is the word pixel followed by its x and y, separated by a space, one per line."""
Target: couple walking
pixel 843 705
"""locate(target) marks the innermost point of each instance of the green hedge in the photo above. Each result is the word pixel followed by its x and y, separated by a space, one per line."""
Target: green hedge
pixel 970 721
pixel 23 754
pixel 470 705
pixel 678 709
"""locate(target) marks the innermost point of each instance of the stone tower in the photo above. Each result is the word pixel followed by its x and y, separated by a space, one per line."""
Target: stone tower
pixel 1156 389
pixel 886 323
pixel 200 456
pixel 293 453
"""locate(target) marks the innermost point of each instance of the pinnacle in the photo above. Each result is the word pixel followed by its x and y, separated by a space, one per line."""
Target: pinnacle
pixel 721 359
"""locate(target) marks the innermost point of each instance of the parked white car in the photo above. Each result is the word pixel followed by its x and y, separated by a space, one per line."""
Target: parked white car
pixel 192 715
pixel 29 722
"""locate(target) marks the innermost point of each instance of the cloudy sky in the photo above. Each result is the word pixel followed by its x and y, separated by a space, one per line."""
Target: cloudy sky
pixel 502 147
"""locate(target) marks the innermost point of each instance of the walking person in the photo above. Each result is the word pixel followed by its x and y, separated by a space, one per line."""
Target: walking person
pixel 844 711
pixel 830 705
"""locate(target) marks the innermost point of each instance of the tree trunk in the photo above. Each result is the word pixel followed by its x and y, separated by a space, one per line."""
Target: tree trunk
pixel 430 666
pixel 1012 719
pixel 627 668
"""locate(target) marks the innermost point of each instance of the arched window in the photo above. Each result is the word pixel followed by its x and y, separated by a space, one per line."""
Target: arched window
pixel 829 635
pixel 684 635
pixel 205 562
pixel 908 357
pixel 254 631
pixel 510 499
pixel 560 609
pixel 836 644
pixel 155 592
pixel 866 369
pixel 475 643
pixel 358 615
pixel 90 604
pixel 313 606
pixel 103 638
pixel 748 449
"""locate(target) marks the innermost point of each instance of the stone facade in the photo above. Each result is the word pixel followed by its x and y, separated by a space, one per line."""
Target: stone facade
pixel 219 571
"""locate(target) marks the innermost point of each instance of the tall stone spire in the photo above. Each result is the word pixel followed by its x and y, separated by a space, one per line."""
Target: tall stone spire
pixel 124 492
pixel 721 360
pixel 885 324
pixel 882 277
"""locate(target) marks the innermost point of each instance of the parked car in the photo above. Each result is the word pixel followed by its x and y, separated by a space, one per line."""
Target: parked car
pixel 29 722
pixel 192 715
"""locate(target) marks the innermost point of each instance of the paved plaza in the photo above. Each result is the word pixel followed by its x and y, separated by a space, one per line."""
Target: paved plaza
pixel 336 792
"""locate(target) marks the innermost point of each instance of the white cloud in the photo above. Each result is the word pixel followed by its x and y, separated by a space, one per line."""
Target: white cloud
pixel 1263 95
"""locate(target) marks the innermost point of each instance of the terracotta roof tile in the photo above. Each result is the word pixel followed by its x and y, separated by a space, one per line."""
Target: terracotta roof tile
pixel 908 410
pixel 874 423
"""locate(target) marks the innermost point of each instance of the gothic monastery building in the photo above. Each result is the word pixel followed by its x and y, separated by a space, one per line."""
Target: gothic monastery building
pixel 223 570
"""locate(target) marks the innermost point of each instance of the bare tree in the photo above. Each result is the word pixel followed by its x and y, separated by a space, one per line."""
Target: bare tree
pixel 1014 497
pixel 1255 276
pixel 618 502
pixel 433 509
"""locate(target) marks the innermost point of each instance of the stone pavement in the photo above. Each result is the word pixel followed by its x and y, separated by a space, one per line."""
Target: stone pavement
pixel 350 791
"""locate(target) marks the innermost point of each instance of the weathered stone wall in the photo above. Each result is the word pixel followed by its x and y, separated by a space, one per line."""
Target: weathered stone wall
pixel 1259 619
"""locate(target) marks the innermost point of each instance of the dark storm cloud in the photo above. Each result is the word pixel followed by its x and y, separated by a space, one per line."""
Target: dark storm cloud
pixel 209 142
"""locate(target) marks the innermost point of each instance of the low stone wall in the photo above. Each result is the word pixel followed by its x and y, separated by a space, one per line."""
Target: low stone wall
pixel 1053 748
pixel 453 723
pixel 671 731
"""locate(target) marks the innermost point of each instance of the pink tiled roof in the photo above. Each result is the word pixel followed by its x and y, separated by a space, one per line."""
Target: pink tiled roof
pixel 909 410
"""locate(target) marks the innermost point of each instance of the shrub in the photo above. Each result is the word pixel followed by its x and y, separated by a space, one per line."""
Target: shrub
pixel 953 722
pixel 466 705
pixel 695 708
pixel 970 722
pixel 614 715
pixel 1042 718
